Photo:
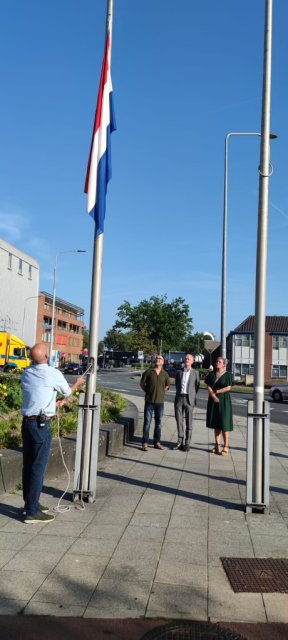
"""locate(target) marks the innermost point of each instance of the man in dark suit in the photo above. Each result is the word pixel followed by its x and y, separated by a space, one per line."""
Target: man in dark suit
pixel 187 385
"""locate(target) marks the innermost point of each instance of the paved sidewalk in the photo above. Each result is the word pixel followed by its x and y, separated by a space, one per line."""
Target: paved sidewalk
pixel 150 546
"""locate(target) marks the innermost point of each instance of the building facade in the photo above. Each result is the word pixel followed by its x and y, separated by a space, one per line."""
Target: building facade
pixel 68 327
pixel 240 348
pixel 19 289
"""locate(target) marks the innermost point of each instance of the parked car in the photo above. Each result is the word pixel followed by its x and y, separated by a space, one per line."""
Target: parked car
pixel 279 392
pixel 170 370
pixel 73 367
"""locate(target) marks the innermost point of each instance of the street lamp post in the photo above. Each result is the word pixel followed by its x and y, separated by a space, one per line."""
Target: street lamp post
pixel 51 360
pixel 24 312
pixel 224 241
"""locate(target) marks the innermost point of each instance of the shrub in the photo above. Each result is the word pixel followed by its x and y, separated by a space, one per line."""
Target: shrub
pixel 10 423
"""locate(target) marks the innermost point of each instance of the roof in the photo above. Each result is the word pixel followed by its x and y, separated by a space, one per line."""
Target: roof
pixel 211 345
pixel 273 324
pixel 63 303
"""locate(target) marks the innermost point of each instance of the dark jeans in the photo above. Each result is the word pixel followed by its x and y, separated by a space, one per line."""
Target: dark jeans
pixel 36 449
pixel 158 409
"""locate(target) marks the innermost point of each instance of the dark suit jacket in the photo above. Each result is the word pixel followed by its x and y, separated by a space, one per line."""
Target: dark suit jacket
pixel 193 386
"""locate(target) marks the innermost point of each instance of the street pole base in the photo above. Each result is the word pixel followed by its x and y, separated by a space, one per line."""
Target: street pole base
pixel 86 496
pixel 257 508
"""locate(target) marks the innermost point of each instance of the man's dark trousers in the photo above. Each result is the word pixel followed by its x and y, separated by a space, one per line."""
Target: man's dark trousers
pixel 36 449
pixel 158 409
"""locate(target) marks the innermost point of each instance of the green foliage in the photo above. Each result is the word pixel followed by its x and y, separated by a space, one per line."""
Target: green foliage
pixel 10 393
pixel 118 341
pixel 85 338
pixel 194 344
pixel 163 323
pixel 10 423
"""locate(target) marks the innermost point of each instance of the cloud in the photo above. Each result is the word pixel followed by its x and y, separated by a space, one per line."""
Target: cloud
pixel 12 225
pixel 283 213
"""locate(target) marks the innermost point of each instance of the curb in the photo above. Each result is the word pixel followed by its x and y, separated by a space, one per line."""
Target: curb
pixel 112 438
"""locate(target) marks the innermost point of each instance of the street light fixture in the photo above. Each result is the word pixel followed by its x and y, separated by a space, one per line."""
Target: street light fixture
pixel 224 241
pixel 51 360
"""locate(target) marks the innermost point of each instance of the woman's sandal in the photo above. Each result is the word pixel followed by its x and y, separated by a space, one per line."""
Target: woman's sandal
pixel 225 451
pixel 216 449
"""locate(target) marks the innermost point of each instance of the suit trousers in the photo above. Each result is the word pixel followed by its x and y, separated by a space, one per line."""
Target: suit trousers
pixel 183 411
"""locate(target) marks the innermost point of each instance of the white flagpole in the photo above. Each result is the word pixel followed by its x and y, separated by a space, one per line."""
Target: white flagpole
pixel 261 266
pixel 94 319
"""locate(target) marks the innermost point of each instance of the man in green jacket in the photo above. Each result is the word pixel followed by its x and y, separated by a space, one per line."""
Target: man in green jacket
pixel 155 381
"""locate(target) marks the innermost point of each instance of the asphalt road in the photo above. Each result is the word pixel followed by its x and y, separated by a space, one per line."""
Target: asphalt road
pixel 125 381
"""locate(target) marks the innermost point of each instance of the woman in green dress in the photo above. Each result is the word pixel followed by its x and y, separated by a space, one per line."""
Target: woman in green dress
pixel 219 407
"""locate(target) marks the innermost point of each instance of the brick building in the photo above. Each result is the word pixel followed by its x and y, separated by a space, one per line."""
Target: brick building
pixel 240 348
pixel 68 328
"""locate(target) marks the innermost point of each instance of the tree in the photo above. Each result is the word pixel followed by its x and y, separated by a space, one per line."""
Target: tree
pixel 194 344
pixel 165 324
pixel 85 338
pixel 117 340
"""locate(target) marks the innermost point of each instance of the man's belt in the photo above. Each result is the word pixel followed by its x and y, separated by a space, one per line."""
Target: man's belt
pixel 35 417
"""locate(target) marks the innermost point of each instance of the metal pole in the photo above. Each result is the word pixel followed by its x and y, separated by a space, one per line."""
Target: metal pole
pixel 51 362
pixel 94 318
pixel 261 264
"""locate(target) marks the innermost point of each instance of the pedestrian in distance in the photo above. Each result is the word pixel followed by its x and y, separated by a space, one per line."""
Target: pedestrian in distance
pixel 187 385
pixel 219 406
pixel 40 384
pixel 155 382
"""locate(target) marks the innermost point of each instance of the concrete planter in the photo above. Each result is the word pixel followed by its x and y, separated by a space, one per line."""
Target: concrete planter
pixel 112 438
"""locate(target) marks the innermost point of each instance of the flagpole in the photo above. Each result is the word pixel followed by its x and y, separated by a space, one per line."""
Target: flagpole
pixel 94 319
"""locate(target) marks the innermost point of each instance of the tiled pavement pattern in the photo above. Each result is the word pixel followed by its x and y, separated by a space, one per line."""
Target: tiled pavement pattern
pixel 150 546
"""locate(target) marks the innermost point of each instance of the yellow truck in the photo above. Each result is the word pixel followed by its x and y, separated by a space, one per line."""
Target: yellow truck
pixel 13 352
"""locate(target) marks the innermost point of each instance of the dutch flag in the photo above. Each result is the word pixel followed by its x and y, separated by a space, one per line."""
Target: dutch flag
pixel 99 165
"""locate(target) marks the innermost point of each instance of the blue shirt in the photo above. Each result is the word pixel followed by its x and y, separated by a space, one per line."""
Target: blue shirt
pixel 40 384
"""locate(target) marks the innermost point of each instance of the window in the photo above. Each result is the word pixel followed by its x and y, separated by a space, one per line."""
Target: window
pixel 9 260
pixel 20 268
pixel 279 342
pixel 279 371
pixel 46 336
pixel 244 340
pixel 30 272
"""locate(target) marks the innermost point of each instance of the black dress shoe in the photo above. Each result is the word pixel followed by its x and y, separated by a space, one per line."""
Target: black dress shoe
pixel 179 445
pixel 187 447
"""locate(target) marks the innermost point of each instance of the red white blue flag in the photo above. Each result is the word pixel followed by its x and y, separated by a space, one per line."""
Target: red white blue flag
pixel 99 165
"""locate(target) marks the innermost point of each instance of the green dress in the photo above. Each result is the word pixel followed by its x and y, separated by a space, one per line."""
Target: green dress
pixel 219 414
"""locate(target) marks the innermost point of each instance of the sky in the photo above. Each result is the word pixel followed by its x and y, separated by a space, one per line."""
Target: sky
pixel 184 75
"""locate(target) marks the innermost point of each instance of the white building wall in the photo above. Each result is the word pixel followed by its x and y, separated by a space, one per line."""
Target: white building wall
pixel 19 290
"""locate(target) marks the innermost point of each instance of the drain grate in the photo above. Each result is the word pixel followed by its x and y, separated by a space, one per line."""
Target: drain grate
pixel 258 575
pixel 189 630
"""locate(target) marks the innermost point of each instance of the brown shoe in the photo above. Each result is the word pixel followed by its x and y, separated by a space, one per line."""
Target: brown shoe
pixel 145 446
pixel 158 445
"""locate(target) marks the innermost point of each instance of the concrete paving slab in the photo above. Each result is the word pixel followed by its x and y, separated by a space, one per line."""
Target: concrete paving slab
pixel 87 546
pixel 224 604
pixel 107 531
pixel 133 596
pixel 54 609
pixel 78 565
pixel 276 606
pixel 182 573
pixel 15 584
pixel 50 544
pixel 15 540
pixel 5 556
pixel 177 600
pixel 270 546
pixel 11 607
pixel 37 561
pixel 123 570
pixel 66 590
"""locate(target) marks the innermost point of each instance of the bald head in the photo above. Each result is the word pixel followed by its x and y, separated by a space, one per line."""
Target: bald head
pixel 39 353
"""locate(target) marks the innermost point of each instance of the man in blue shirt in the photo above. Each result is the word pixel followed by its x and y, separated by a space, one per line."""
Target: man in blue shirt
pixel 40 384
